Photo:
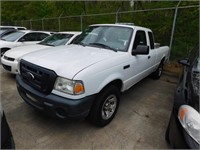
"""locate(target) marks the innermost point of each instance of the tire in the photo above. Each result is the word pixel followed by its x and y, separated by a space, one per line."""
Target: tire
pixel 157 74
pixel 105 106
pixel 2 52
pixel 168 129
pixel 167 134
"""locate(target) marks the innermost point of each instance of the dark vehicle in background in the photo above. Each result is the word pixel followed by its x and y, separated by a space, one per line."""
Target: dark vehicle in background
pixel 7 141
pixel 6 32
pixel 183 130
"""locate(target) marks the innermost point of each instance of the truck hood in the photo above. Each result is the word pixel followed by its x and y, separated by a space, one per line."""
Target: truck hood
pixel 22 50
pixel 67 61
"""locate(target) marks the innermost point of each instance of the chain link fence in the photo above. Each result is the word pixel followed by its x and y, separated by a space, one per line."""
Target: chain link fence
pixel 164 22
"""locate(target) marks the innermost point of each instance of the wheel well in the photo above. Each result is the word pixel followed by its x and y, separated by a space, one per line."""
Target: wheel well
pixel 5 49
pixel 117 83
pixel 163 60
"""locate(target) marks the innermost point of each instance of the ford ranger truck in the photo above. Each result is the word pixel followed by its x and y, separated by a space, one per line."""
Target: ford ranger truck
pixel 85 79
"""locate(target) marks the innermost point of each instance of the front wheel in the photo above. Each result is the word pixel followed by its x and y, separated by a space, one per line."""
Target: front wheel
pixel 2 52
pixel 157 74
pixel 105 106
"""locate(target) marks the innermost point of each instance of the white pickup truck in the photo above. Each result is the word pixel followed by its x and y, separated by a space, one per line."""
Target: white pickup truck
pixel 85 79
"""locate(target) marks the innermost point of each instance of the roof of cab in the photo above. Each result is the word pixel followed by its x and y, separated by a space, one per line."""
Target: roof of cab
pixel 27 31
pixel 70 32
pixel 14 27
pixel 122 25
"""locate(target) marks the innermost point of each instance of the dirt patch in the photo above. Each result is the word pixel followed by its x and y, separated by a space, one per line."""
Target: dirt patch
pixel 173 67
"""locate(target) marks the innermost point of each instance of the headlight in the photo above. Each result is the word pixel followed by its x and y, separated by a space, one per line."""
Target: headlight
pixel 69 86
pixel 190 120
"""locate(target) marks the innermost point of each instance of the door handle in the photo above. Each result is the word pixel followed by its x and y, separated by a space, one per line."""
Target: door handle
pixel 149 57
pixel 127 66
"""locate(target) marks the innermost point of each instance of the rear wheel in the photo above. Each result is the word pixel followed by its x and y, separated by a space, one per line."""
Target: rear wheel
pixel 168 129
pixel 105 106
pixel 167 134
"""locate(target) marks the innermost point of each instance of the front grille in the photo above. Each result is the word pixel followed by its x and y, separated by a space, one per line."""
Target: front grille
pixel 39 78
pixel 6 67
pixel 9 58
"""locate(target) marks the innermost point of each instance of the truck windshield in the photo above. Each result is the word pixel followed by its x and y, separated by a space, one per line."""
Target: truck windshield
pixel 56 39
pixel 109 37
pixel 13 36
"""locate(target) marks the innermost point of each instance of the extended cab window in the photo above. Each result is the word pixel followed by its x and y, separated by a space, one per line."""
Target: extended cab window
pixel 151 40
pixel 140 39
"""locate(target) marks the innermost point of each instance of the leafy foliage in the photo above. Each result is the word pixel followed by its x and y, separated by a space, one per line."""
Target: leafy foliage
pixel 186 30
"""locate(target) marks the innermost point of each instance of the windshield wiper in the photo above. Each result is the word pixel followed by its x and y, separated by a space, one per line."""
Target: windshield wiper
pixel 46 44
pixel 81 43
pixel 103 46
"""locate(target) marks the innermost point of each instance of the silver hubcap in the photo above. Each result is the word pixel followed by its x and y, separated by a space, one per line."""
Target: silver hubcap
pixel 109 107
pixel 160 71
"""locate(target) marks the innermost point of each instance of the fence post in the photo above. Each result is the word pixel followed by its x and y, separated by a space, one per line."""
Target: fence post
pixel 43 23
pixel 173 27
pixel 81 19
pixel 59 21
pixel 30 24
pixel 117 16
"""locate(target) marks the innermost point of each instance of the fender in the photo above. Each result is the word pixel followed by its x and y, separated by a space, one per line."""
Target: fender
pixel 109 79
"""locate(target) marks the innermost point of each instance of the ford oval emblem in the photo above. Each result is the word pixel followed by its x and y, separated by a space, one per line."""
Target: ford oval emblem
pixel 30 76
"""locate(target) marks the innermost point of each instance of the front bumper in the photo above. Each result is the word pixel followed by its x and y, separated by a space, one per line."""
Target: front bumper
pixel 10 66
pixel 53 104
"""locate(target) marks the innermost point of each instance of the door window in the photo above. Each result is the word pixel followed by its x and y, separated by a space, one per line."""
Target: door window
pixel 33 37
pixel 140 39
pixel 28 37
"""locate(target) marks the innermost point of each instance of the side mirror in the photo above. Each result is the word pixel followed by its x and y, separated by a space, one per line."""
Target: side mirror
pixel 141 50
pixel 184 62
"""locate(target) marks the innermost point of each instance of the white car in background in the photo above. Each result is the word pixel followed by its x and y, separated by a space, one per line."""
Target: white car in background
pixel 12 27
pixel 11 58
pixel 20 38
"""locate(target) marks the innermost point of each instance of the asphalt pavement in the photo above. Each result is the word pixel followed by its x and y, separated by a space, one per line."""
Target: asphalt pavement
pixel 140 122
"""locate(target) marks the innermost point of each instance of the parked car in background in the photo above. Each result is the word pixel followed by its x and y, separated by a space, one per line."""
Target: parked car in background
pixel 183 130
pixel 6 32
pixel 20 38
pixel 7 141
pixel 85 79
pixel 12 27
pixel 11 58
